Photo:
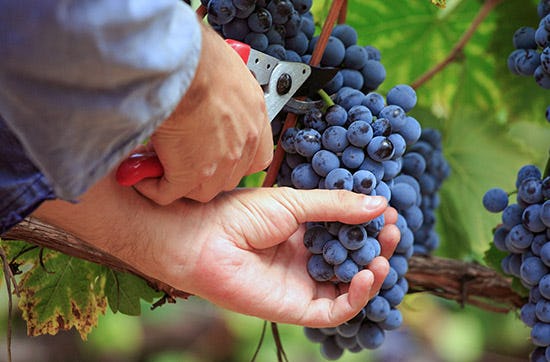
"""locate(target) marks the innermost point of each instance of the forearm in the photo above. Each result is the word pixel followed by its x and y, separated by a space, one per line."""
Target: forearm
pixel 119 221
pixel 84 83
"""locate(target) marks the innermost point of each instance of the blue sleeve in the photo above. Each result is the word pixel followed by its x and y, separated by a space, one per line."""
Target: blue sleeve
pixel 84 82
pixel 22 186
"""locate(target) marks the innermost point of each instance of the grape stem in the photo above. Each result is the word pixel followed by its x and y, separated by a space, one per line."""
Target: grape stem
pixel 291 119
pixel 326 98
pixel 455 53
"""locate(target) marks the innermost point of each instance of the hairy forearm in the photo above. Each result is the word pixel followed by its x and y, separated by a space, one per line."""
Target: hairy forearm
pixel 121 222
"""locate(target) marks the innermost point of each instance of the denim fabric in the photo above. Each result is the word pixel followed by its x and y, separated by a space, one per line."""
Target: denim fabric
pixel 22 186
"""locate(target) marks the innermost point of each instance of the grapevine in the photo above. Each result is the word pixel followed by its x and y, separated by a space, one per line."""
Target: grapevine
pixel 370 138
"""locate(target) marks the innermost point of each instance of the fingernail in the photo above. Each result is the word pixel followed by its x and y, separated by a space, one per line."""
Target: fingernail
pixel 374 202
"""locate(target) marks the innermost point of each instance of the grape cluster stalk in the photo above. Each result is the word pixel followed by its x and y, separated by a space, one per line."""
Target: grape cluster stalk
pixel 361 141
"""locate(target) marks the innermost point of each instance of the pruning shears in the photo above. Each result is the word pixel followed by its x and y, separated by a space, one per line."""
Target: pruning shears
pixel 283 83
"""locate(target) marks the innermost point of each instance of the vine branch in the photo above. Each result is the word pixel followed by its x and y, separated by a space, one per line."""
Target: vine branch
pixel 44 235
pixel 484 11
pixel 466 283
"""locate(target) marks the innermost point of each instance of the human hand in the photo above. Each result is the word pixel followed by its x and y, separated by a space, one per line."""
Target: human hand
pixel 217 134
pixel 242 251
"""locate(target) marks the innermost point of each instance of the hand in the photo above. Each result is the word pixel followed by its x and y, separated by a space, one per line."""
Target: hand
pixel 242 251
pixel 218 133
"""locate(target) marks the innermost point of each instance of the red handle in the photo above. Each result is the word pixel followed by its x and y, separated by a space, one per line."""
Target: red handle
pixel 144 165
pixel 137 167
pixel 241 48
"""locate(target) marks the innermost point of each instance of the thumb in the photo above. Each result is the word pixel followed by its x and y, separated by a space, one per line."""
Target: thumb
pixel 276 213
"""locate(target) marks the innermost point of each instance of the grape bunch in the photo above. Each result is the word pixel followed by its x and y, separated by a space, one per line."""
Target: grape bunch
pixel 524 235
pixel 360 66
pixel 425 168
pixel 531 56
pixel 280 28
pixel 357 144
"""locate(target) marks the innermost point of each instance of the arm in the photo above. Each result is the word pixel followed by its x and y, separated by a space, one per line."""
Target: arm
pixel 83 83
pixel 242 251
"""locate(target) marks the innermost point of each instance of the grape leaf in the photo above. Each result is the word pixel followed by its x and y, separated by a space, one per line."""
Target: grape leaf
pixel 482 155
pixel 414 36
pixel 493 257
pixel 62 294
pixel 439 3
pixel 124 292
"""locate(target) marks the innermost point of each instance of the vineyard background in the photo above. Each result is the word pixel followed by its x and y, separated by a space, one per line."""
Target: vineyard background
pixel 492 123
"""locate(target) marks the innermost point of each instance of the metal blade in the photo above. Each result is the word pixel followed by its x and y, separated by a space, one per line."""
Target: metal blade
pixel 302 107
pixel 317 80
pixel 261 65
pixel 286 79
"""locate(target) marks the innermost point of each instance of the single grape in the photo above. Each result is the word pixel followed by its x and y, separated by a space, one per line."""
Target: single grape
pixel 319 269
pixel 336 115
pixel 380 148
pixel 346 34
pixel 334 54
pixel 542 310
pixel 334 252
pixel 335 139
pixel 352 78
pixel 370 336
pixel 375 102
pixel 532 270
pixel 364 182
pixel 353 157
pixel 324 161
pixel 359 133
pixel 378 309
pixel 374 74
pixel 495 200
pixel 315 238
pixel 352 237
pixel 330 349
pixel 304 177
pixel 221 12
pixel 339 179
pixel 366 253
pixel 307 142
pixel 403 196
pixel 355 57
pixel 359 113
pixel 346 270
pixel 260 21
pixel 403 96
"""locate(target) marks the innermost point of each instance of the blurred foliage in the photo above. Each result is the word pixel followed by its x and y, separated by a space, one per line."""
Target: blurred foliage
pixel 492 123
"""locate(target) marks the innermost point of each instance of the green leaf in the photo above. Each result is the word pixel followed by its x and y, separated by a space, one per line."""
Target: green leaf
pixel 482 155
pixel 62 294
pixel 124 292
pixel 493 257
pixel 414 36
pixel 439 3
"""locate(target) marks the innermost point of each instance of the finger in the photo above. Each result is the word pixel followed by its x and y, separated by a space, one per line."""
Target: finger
pixel 390 215
pixel 161 190
pixel 379 267
pixel 331 205
pixel 388 238
pixel 264 153
pixel 326 312
pixel 206 191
